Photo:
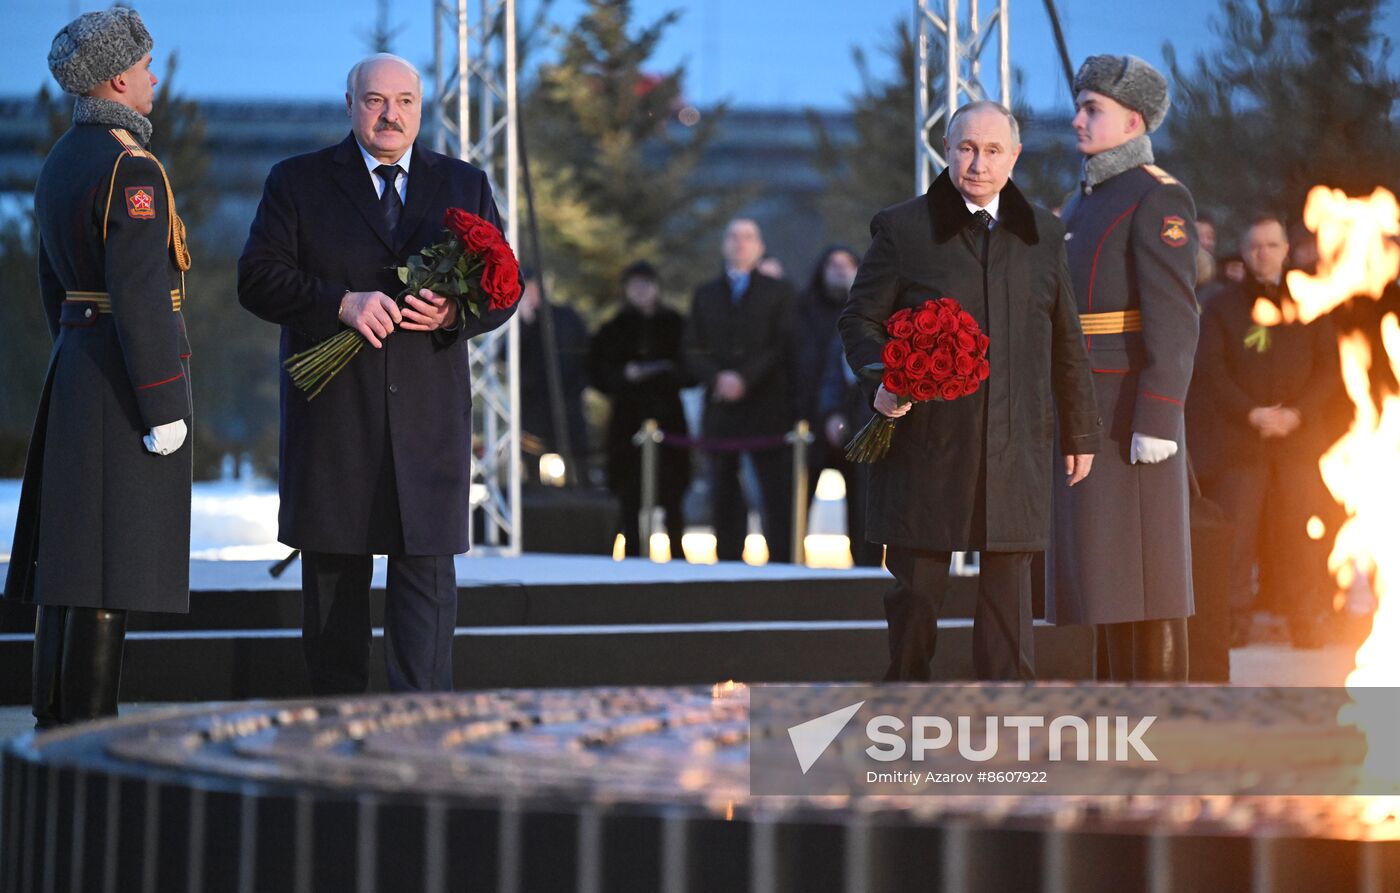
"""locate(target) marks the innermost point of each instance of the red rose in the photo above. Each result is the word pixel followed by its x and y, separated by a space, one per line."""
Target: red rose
pixel 950 388
pixel 948 304
pixel 897 383
pixel 925 340
pixel 475 233
pixel 983 370
pixel 894 354
pixel 924 389
pixel 966 341
pixel 916 366
pixel 941 364
pixel 947 319
pixel 501 282
pixel 966 321
pixel 926 320
pixel 894 320
pixel 930 304
pixel 982 342
pixel 972 385
pixel 901 328
pixel 457 220
pixel 964 364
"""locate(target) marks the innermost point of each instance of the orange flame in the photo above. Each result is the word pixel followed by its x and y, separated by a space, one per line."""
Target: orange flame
pixel 1358 255
pixel 1356 251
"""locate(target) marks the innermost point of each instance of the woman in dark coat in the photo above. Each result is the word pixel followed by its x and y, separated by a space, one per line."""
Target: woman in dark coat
pixel 824 396
pixel 636 359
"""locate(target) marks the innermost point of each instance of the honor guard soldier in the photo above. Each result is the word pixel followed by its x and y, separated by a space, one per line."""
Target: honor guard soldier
pixel 1123 542
pixel 104 518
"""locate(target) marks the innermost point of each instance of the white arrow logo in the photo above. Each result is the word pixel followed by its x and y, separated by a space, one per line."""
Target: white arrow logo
pixel 811 738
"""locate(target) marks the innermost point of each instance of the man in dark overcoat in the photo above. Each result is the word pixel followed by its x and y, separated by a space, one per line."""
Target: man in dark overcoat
pixel 104 517
pixel 737 345
pixel 379 462
pixel 971 474
pixel 1123 541
pixel 1268 385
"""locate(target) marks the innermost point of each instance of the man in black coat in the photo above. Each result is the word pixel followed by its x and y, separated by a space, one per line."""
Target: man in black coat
pixel 637 360
pixel 737 345
pixel 972 473
pixel 1267 387
pixel 379 462
pixel 1123 541
pixel 104 516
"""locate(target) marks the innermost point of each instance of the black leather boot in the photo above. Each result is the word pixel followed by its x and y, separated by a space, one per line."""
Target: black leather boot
pixel 92 663
pixel 48 659
pixel 1147 650
pixel 1160 652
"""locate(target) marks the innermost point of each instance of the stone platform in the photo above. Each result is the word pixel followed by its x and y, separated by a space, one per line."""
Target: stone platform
pixel 551 621
pixel 597 790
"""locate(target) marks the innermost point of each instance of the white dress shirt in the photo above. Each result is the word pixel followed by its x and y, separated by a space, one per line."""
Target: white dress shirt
pixel 400 182
pixel 992 207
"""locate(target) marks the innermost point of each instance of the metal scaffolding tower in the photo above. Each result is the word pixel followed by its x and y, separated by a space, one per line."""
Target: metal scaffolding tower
pixel 474 113
pixel 957 54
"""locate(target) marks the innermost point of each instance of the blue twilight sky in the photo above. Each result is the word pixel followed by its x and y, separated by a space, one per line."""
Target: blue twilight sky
pixel 751 52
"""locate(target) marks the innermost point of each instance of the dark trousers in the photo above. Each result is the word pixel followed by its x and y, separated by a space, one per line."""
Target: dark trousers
pixel 1003 646
pixel 420 612
pixel 1269 506
pixel 730 512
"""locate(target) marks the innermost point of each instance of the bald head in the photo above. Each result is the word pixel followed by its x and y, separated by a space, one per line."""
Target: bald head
pixel 352 78
pixel 384 96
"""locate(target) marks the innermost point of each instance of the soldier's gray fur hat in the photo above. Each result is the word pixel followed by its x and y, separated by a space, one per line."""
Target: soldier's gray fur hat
pixel 1130 81
pixel 96 47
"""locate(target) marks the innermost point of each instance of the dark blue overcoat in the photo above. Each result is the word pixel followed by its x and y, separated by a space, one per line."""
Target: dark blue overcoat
pixel 380 461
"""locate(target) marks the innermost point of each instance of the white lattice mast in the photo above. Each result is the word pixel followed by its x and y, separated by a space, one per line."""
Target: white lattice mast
pixel 950 42
pixel 474 110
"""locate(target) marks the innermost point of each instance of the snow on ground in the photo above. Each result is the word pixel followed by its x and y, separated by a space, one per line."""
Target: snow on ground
pixel 232 520
pixel 228 519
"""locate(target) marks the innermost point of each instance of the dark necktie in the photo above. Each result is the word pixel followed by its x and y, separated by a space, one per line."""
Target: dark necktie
pixel 981 224
pixel 389 202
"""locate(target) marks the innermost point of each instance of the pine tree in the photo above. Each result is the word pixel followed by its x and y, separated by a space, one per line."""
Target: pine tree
pixel 613 163
pixel 1299 93
pixel 875 170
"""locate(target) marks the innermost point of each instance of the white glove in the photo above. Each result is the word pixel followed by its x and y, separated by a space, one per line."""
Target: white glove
pixel 1150 450
pixel 166 439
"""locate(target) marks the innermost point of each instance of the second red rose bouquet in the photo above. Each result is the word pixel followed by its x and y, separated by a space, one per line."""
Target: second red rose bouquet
pixel 475 267
pixel 935 352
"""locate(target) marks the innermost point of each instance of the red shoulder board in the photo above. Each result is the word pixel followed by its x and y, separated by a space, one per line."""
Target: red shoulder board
pixel 1174 231
pixel 141 202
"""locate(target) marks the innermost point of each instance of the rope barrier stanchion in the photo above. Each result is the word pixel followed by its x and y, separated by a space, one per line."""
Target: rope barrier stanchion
pixel 800 438
pixel 649 439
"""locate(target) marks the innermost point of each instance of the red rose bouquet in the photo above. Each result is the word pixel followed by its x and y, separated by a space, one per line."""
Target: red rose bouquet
pixel 935 352
pixel 474 267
